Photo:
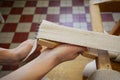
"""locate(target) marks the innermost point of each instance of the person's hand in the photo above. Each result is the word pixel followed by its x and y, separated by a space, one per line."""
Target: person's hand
pixel 64 52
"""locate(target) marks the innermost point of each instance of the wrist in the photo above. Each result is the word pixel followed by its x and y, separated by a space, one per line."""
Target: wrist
pixel 48 57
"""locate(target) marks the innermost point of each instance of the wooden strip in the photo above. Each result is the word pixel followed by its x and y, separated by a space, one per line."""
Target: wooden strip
pixel 52 44
pixel 116 29
pixel 95 16
pixel 54 32
pixel 48 43
pixel 103 61
pixel 90 55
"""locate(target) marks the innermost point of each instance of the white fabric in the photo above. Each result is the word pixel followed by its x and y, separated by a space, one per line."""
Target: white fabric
pixel 105 75
pixel 89 69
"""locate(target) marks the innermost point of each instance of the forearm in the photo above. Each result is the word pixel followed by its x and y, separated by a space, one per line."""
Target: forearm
pixel 5 57
pixel 37 68
pixel 34 70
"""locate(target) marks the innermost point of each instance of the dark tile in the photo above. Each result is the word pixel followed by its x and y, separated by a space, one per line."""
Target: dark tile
pixel 66 10
pixel 26 18
pixel 5 45
pixel 41 10
pixel 34 27
pixel 7 3
pixel 9 27
pixel 30 3
pixel 107 17
pixel 54 3
pixel 16 11
pixel 53 18
pixel 20 37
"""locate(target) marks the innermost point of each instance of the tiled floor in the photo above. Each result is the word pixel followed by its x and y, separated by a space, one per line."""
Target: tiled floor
pixel 23 17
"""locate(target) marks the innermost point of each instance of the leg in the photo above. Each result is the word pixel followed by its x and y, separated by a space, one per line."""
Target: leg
pixel 8 56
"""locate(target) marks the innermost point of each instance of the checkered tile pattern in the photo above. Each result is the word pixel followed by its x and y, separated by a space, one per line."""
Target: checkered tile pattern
pixel 22 18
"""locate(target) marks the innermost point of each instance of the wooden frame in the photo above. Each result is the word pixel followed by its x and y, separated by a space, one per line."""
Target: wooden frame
pixel 95 11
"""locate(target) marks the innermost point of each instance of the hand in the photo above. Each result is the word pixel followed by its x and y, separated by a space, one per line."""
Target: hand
pixel 65 52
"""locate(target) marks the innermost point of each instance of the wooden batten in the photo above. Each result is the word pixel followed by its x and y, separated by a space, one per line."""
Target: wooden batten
pixel 96 19
pixel 59 33
pixel 102 61
pixel 48 43
pixel 116 29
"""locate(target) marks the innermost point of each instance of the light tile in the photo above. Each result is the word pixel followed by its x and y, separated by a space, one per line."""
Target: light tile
pixel 28 10
pixel 6 37
pixel 1 26
pixel 108 25
pixel 19 3
pixel 42 17
pixel 116 16
pixel 77 25
pixel 78 10
pixel 32 35
pixel 69 15
pixel 13 18
pixel 53 10
pixel 84 26
pixel 62 3
pixel 66 18
pixel 66 3
pixel 86 2
pixel 80 25
pixel 5 10
pixel 14 45
pixel 88 17
pixel 36 18
pixel 69 18
pixel 44 3
pixel 69 3
pixel 23 27
pixel 62 18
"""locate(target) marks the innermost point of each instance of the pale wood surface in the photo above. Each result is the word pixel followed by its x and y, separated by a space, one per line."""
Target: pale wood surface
pixel 54 32
pixel 48 43
pixel 95 16
pixel 102 61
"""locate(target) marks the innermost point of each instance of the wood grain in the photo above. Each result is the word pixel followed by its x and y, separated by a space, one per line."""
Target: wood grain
pixel 102 61
pixel 55 32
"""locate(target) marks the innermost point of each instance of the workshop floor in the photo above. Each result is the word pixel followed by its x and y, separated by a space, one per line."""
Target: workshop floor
pixel 23 17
